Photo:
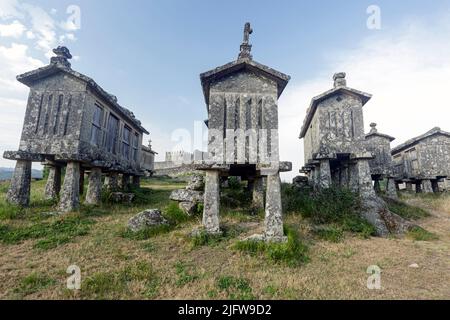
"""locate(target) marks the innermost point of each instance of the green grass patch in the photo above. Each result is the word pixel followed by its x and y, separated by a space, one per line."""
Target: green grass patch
pixel 406 211
pixel 184 276
pixel 51 234
pixel 420 234
pixel 202 238
pixel 235 288
pixel 146 233
pixel 114 284
pixel 293 253
pixel 331 233
pixel 33 283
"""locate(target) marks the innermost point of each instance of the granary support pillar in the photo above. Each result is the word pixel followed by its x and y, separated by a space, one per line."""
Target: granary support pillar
pixel 53 185
pixel 316 177
pixel 136 181
pixel 435 185
pixel 273 222
pixel 409 186
pixel 211 202
pixel 427 186
pixel 70 193
pixel 125 181
pixel 353 180
pixel 94 190
pixel 19 190
pixel 258 193
pixel 391 188
pixel 364 178
pixel 324 174
pixel 343 177
pixel 419 186
pixel 376 185
pixel 111 181
pixel 81 180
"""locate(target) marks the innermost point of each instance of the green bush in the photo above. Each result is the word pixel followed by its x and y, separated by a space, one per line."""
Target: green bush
pixel 292 253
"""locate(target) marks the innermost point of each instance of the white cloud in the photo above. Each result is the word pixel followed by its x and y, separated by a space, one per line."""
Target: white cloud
pixel 14 29
pixel 407 71
pixel 8 9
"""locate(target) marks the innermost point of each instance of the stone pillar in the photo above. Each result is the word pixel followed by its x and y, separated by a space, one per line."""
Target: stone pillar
pixel 111 181
pixel 94 190
pixel 53 185
pixel 376 186
pixel 274 218
pixel 427 186
pixel 353 180
pixel 70 193
pixel 258 193
pixel 419 186
pixel 136 181
pixel 435 185
pixel 211 202
pixel 324 174
pixel 81 180
pixel 391 188
pixel 19 190
pixel 364 178
pixel 409 186
pixel 343 178
pixel 125 182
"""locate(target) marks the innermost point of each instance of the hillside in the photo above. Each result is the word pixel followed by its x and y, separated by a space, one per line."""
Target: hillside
pixel 6 173
pixel 37 247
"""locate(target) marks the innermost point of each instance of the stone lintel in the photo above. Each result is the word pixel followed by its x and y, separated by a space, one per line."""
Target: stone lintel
pixel 324 156
pixel 23 155
pixel 362 156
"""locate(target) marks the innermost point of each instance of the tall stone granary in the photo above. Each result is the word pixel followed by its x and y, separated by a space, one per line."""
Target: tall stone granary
pixel 242 105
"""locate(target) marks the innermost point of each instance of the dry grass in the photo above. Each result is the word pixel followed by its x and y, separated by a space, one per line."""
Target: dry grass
pixel 167 266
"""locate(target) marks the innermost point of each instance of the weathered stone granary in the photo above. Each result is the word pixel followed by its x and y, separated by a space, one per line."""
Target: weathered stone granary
pixel 241 99
pixel 336 151
pixel 148 159
pixel 71 121
pixel 379 145
pixel 423 161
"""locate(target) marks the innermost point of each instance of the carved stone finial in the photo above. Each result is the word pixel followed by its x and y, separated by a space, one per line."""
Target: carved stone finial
pixel 150 143
pixel 339 79
pixel 62 56
pixel 246 47
pixel 373 127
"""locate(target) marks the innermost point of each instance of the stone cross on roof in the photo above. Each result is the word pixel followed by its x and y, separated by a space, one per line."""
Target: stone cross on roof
pixel 246 48
pixel 373 127
pixel 62 56
pixel 339 79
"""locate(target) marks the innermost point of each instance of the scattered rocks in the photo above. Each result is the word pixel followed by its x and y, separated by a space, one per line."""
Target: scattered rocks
pixel 300 182
pixel 191 196
pixel 184 195
pixel 146 219
pixel 414 266
pixel 196 182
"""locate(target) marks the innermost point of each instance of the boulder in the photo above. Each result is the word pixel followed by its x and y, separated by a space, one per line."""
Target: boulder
pixel 146 219
pixel 188 207
pixel 300 182
pixel 184 195
pixel 196 182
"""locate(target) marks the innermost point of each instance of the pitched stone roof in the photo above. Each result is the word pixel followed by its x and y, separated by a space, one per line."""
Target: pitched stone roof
pixel 374 133
pixel 55 67
pixel 242 64
pixel 413 141
pixel 365 97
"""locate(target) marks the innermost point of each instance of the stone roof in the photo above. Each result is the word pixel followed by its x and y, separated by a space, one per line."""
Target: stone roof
pixel 242 64
pixel 62 65
pixel 413 141
pixel 374 133
pixel 339 88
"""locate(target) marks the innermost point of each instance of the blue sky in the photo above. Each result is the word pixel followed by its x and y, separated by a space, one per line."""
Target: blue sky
pixel 150 54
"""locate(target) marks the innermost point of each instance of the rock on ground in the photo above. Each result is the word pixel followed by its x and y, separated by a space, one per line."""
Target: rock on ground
pixel 146 219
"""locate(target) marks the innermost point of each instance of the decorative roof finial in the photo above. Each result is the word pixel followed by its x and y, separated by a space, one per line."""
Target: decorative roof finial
pixel 339 79
pixel 62 56
pixel 373 126
pixel 246 47
pixel 150 143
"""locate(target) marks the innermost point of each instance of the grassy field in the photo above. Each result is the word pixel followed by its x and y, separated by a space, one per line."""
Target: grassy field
pixel 38 246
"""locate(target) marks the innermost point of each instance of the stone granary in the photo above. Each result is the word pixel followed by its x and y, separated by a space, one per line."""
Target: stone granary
pixel 241 100
pixel 148 159
pixel 379 145
pixel 336 150
pixel 423 161
pixel 71 121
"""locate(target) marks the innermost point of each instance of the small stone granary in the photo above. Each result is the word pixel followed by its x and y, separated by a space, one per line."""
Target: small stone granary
pixel 379 145
pixel 423 161
pixel 71 121
pixel 241 99
pixel 336 151
pixel 148 159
